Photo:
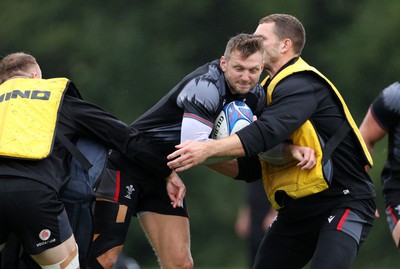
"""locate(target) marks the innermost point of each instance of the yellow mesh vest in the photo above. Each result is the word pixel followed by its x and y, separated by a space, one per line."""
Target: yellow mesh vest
pixel 29 109
pixel 289 178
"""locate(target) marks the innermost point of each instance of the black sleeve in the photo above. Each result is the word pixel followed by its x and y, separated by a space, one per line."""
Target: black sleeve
pixel 249 169
pixel 385 107
pixel 292 104
pixel 85 119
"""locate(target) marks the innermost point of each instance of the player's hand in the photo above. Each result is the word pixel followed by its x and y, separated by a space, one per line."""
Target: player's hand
pixel 305 155
pixel 176 189
pixel 188 154
pixel 377 215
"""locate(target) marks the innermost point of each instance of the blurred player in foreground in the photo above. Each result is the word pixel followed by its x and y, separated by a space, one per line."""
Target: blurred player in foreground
pixel 34 162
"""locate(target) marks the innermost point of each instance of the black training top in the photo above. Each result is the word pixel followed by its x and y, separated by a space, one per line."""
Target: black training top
pixel 199 96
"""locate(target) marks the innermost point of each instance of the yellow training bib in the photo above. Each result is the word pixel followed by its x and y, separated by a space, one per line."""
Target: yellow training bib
pixel 289 178
pixel 29 109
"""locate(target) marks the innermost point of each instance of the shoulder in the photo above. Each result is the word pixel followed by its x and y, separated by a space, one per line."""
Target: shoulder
pixel 72 90
pixel 388 100
pixel 258 90
pixel 256 99
pixel 391 96
pixel 204 88
pixel 76 107
pixel 307 78
pixel 200 89
pixel 305 81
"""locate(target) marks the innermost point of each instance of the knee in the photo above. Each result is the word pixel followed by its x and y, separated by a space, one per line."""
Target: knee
pixel 106 260
pixel 180 263
pixel 188 263
pixel 396 234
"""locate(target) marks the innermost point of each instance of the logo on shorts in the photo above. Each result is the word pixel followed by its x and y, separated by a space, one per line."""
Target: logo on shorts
pixel 130 190
pixel 45 234
pixel 397 208
pixel 330 218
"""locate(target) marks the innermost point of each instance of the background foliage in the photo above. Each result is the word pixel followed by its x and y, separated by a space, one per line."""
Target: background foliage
pixel 124 55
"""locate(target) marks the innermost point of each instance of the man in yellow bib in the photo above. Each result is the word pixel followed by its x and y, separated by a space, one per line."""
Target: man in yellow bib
pixel 324 214
pixel 34 164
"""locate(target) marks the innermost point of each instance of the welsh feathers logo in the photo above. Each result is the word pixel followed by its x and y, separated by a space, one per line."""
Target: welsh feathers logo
pixel 130 189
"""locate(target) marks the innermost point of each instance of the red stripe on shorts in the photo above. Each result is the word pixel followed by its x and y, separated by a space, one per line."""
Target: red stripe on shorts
pixel 117 185
pixel 343 219
pixel 391 214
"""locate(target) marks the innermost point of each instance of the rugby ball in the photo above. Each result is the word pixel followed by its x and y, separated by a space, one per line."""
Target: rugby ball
pixel 233 117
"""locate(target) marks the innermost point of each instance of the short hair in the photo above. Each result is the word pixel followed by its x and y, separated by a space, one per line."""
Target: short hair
pixel 288 26
pixel 246 44
pixel 14 64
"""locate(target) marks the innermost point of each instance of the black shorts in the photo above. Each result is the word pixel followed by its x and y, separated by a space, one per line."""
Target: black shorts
pixel 392 203
pixel 299 238
pixel 137 189
pixel 32 211
pixel 392 215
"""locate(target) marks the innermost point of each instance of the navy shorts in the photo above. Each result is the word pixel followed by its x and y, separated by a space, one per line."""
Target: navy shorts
pixel 32 211
pixel 136 189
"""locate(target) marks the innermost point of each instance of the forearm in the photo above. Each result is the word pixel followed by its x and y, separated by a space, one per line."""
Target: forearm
pixel 275 155
pixel 288 152
pixel 229 146
pixel 227 168
pixel 191 153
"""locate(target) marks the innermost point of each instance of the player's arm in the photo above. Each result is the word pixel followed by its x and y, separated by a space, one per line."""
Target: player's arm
pixel 284 153
pixel 305 156
pixel 92 121
pixel 371 131
pixel 259 135
pixel 280 154
pixel 228 168
pixel 196 129
pixel 176 189
pixel 256 137
pixel 191 153
pixel 199 101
